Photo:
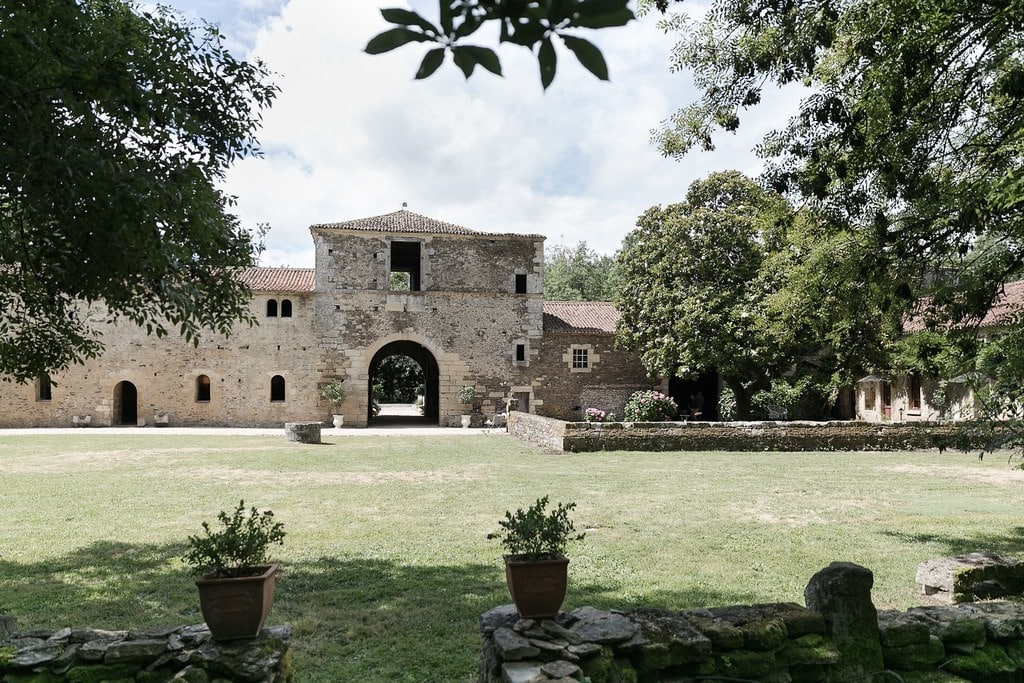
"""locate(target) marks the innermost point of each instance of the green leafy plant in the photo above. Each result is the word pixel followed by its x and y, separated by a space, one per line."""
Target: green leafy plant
pixel 534 534
pixel 239 547
pixel 467 394
pixel 334 392
pixel 650 406
pixel 726 405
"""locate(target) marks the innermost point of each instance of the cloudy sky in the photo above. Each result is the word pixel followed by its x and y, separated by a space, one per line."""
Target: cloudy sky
pixel 352 136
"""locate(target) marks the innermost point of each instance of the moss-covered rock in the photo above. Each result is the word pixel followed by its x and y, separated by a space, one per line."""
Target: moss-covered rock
pixel 916 656
pixel 809 649
pixel 767 634
pixel 102 673
pixel 930 677
pixel 746 664
pixel 44 677
pixel 984 662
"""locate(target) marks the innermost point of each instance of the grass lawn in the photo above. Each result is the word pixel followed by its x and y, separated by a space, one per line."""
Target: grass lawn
pixel 387 564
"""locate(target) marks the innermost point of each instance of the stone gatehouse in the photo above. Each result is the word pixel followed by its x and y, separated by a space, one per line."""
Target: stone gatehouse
pixel 467 306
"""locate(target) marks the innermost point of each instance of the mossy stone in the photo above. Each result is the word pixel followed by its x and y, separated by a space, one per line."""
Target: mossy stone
pixel 930 677
pixel 915 657
pixel 984 662
pixel 102 673
pixel 746 664
pixel 767 634
pixel 43 677
pixel 809 649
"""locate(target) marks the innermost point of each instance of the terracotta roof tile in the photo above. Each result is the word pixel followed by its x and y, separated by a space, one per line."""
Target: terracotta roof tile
pixel 581 317
pixel 1006 307
pixel 278 279
pixel 404 221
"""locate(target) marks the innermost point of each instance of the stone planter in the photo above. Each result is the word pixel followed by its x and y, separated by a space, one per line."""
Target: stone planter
pixel 235 608
pixel 537 587
pixel 339 421
pixel 466 421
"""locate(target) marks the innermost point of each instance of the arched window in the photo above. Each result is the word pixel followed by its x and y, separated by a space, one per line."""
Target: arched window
pixel 202 389
pixel 277 389
pixel 286 308
pixel 272 308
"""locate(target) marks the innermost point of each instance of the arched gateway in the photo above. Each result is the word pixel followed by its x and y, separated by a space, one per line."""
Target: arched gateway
pixel 425 359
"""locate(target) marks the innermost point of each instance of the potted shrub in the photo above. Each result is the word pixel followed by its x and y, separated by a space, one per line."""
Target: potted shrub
pixel 236 580
pixel 335 393
pixel 536 568
pixel 467 395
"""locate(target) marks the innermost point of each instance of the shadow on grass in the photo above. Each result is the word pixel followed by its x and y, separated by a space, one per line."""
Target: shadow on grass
pixel 353 618
pixel 1003 543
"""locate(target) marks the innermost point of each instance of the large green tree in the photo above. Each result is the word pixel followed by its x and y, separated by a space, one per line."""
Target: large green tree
pixel 116 127
pixel 910 134
pixel 579 273
pixel 695 293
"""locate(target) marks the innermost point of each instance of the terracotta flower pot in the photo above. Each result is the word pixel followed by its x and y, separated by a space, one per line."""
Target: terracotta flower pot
pixel 235 608
pixel 537 587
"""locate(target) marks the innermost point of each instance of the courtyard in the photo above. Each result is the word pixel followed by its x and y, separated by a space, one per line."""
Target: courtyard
pixel 387 564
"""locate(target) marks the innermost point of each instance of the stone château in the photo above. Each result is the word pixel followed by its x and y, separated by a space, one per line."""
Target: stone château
pixel 467 306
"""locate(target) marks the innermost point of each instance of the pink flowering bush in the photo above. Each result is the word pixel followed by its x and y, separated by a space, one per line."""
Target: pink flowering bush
pixel 650 406
pixel 597 415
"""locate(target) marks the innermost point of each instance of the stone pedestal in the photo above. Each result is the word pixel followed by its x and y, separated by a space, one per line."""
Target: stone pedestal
pixel 303 432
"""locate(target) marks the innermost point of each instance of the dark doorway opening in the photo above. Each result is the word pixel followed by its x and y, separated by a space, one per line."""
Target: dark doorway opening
pixel 697 398
pixel 126 404
pixel 411 383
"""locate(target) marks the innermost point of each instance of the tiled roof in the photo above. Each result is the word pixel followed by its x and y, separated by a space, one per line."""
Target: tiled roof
pixel 403 221
pixel 1007 305
pixel 278 279
pixel 585 317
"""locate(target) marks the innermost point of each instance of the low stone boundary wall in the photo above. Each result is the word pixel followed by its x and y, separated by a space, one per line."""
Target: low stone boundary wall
pixel 180 653
pixel 838 638
pixel 582 437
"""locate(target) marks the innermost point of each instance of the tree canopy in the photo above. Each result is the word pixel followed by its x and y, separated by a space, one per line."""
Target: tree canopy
pixel 579 274
pixel 695 293
pixel 117 126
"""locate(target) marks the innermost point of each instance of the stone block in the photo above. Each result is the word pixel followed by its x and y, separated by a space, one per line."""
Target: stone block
pixel 964 578
pixel 302 432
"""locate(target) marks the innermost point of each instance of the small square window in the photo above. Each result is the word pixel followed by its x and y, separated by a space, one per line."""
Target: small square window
pixel 520 283
pixel 580 358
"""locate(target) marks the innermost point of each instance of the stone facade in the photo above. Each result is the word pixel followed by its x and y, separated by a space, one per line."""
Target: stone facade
pixel 467 306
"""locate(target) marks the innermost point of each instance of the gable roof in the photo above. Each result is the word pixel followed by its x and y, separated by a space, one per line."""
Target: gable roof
pixel 278 279
pixel 580 317
pixel 406 221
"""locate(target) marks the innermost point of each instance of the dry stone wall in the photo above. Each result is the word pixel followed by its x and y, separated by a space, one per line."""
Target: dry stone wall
pixel 582 437
pixel 837 638
pixel 181 653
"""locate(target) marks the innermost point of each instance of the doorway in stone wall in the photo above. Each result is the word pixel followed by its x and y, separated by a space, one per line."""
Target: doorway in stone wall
pixel 126 404
pixel 404 385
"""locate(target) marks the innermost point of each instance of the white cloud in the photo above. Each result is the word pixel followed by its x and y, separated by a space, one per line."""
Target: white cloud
pixel 352 135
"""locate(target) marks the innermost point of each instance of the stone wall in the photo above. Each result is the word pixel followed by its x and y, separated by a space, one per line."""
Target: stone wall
pixel 184 653
pixel 164 371
pixel 581 437
pixel 837 638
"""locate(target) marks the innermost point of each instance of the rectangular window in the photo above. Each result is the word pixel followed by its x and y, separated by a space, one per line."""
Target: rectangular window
pixel 520 283
pixel 44 388
pixel 405 267
pixel 914 391
pixel 520 352
pixel 580 358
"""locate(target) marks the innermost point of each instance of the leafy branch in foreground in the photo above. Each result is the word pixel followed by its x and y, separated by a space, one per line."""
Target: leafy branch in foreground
pixel 533 24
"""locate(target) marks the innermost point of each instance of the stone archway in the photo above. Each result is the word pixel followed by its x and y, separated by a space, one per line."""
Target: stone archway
pixel 126 404
pixel 422 356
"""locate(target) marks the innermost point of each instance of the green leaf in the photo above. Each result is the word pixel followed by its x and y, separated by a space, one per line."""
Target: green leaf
pixel 548 62
pixel 464 60
pixel 607 20
pixel 588 55
pixel 404 17
pixel 431 62
pixel 484 56
pixel 392 38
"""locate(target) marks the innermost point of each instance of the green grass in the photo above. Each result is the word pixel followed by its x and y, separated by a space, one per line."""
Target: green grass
pixel 387 564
